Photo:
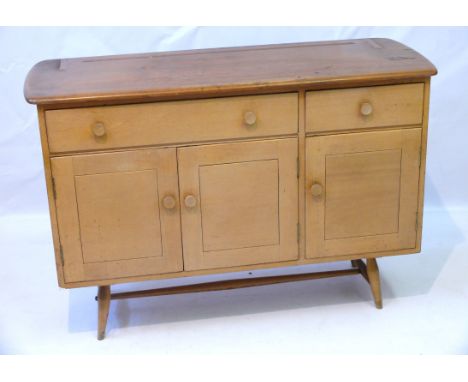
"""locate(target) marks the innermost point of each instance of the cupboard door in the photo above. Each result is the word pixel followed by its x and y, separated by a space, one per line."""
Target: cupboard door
pixel 239 203
pixel 118 214
pixel 362 192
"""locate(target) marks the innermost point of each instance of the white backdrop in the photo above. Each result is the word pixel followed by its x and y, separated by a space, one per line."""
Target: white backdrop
pixel 22 187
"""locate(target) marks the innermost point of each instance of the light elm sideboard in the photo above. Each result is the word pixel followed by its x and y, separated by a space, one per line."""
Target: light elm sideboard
pixel 167 165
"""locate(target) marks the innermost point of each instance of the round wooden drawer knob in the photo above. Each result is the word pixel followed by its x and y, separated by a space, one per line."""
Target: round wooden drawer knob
pixel 169 202
pixel 190 201
pixel 366 109
pixel 250 118
pixel 99 130
pixel 316 189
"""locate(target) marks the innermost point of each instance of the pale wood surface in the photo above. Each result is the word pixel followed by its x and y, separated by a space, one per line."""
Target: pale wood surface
pixel 171 122
pixel 301 174
pixel 202 203
pixel 261 119
pixel 185 74
pixel 422 172
pixel 109 215
pixel 363 193
pixel 239 204
pixel 118 215
pixel 335 110
pixel 370 200
pixel 50 196
pixel 286 265
pixel 246 203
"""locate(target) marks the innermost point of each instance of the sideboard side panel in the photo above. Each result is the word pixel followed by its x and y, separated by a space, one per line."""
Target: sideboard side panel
pixel 422 171
pixel 50 195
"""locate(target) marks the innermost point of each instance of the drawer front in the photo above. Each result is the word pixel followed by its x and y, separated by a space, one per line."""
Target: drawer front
pixel 108 127
pixel 377 106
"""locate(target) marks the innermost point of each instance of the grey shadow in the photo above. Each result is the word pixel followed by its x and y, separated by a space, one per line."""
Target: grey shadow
pixel 198 306
pixel 400 276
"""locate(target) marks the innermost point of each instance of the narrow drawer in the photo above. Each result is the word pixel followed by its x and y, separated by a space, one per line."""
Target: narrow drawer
pixel 376 106
pixel 107 127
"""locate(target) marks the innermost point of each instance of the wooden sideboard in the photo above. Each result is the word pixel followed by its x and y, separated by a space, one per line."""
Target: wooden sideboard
pixel 167 165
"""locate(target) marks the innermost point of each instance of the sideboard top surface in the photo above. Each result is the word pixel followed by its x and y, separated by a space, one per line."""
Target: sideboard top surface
pixel 223 71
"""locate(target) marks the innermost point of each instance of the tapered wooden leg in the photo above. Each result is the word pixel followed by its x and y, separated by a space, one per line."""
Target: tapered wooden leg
pixel 374 281
pixel 103 298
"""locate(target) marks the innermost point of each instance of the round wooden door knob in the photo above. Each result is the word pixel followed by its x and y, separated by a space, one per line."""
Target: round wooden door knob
pixel 316 189
pixel 366 109
pixel 99 130
pixel 250 119
pixel 169 202
pixel 190 201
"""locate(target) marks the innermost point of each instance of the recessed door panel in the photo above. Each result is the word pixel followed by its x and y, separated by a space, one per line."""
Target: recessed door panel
pixel 111 215
pixel 111 229
pixel 362 192
pixel 239 203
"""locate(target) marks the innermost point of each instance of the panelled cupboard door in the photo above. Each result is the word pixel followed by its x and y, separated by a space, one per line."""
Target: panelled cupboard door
pixel 118 214
pixel 239 203
pixel 362 192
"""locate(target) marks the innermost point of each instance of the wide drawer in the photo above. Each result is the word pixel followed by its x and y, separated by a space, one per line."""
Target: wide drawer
pixel 107 127
pixel 376 106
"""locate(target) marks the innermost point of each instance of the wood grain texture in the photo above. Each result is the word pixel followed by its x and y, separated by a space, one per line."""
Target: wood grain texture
pixel 90 124
pixel 239 204
pixel 363 193
pixel 171 122
pixel 335 110
pixel 246 209
pixel 370 186
pixel 109 215
pixel 301 139
pixel 50 196
pixel 422 170
pixel 285 265
pixel 119 215
pixel 223 71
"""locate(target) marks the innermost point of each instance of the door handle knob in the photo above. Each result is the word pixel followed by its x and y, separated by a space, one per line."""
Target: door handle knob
pixel 99 130
pixel 190 201
pixel 316 189
pixel 250 118
pixel 366 109
pixel 169 202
